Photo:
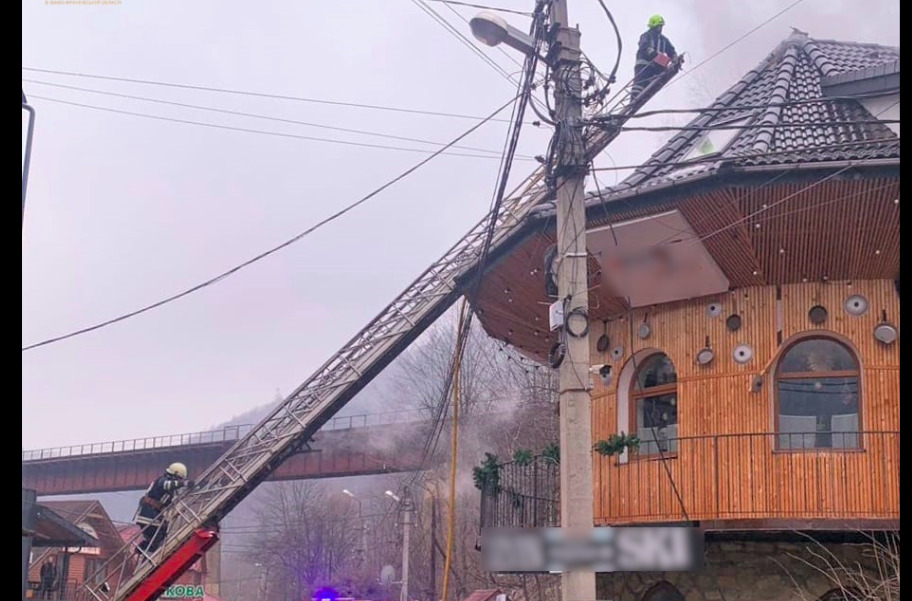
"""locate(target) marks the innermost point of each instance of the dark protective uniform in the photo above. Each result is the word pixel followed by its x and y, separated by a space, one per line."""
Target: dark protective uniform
pixel 652 43
pixel 158 496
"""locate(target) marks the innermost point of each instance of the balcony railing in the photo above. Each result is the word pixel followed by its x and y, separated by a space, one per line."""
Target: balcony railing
pixel 722 477
pixel 526 494
pixel 227 434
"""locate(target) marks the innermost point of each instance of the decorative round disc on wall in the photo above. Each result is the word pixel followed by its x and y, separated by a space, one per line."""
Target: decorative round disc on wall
pixel 644 331
pixel 733 322
pixel 885 333
pixel 705 356
pixel 617 352
pixel 603 343
pixel 714 310
pixel 743 353
pixel 817 315
pixel 856 305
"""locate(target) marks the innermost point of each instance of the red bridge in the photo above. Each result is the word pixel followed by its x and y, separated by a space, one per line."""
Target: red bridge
pixel 346 446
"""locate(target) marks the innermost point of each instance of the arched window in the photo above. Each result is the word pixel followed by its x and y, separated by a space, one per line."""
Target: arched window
pixel 654 405
pixel 663 591
pixel 840 594
pixel 818 400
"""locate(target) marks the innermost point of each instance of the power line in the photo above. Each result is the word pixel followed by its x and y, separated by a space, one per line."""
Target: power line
pixel 735 41
pixel 256 115
pixel 705 128
pixel 433 14
pixel 268 133
pixel 269 252
pixel 738 157
pixel 482 7
pixel 263 95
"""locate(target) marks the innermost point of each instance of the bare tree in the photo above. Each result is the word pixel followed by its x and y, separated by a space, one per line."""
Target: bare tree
pixel 306 539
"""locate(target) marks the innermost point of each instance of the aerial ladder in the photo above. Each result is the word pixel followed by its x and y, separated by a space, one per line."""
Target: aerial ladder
pixel 193 517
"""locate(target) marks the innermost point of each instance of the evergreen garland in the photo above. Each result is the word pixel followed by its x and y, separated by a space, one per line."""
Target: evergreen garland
pixel 487 476
pixel 616 444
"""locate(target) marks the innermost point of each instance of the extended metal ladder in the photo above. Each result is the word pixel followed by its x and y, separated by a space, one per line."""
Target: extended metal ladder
pixel 195 514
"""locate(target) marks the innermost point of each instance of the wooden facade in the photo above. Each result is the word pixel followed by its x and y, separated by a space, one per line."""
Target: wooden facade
pixel 726 465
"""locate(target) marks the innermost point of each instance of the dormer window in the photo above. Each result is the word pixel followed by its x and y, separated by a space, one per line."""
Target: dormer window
pixel 714 141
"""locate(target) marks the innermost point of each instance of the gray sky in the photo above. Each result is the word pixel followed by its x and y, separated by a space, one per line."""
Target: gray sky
pixel 123 210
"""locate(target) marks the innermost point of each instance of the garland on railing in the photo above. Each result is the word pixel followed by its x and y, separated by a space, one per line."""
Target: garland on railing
pixel 616 444
pixel 551 453
pixel 522 457
pixel 487 476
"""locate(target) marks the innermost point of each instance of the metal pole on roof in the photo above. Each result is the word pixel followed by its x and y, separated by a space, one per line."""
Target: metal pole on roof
pixel 28 150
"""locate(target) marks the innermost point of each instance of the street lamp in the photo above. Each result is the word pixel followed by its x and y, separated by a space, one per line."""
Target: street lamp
pixel 263 580
pixel 363 550
pixel 406 511
pixel 492 30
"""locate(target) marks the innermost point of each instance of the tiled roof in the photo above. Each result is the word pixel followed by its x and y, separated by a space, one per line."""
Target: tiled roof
pixel 780 134
pixel 71 510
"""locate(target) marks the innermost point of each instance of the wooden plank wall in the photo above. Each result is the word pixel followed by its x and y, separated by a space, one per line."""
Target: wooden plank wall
pixel 726 467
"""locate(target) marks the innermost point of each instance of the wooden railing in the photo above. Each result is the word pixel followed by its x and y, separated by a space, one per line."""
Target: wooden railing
pixel 725 477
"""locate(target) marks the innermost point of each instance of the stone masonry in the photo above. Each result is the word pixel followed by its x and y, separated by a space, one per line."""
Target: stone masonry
pixel 747 571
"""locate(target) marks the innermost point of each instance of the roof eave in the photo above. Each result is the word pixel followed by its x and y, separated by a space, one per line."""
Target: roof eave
pixel 593 201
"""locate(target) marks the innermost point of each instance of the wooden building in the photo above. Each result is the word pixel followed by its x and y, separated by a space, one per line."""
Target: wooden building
pixel 744 317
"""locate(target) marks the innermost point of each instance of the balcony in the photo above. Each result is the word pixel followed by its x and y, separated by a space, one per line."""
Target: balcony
pixel 726 481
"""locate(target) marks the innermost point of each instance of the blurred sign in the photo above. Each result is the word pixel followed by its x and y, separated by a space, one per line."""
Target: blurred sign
pixel 638 549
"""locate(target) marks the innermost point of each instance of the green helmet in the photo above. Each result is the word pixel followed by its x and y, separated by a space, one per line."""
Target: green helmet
pixel 656 21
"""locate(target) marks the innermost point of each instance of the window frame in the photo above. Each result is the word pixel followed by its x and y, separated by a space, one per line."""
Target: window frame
pixel 742 121
pixel 635 393
pixel 779 376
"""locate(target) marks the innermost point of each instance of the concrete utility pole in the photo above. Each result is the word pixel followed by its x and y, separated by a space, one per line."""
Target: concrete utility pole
pixel 572 283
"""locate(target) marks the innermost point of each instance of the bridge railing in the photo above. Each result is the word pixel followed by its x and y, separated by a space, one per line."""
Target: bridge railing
pixel 226 434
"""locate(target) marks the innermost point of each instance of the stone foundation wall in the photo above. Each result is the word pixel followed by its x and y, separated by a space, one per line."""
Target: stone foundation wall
pixel 747 571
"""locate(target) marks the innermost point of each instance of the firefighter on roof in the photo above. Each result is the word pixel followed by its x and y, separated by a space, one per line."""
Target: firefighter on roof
pixel 652 44
pixel 159 495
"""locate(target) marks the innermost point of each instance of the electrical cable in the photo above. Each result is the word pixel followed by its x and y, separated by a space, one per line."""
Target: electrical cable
pixel 740 156
pixel 269 252
pixel 483 7
pixel 433 14
pixel 620 47
pixel 264 132
pixel 707 128
pixel 259 116
pixel 263 95
pixel 503 178
pixel 735 41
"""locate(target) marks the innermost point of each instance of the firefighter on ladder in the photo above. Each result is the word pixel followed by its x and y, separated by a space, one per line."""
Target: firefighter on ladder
pixel 653 50
pixel 158 496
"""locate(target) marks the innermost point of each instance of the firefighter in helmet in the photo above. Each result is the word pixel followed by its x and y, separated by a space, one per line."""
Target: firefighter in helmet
pixel 652 43
pixel 158 496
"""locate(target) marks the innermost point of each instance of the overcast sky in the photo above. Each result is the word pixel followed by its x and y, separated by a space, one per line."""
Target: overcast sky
pixel 123 210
